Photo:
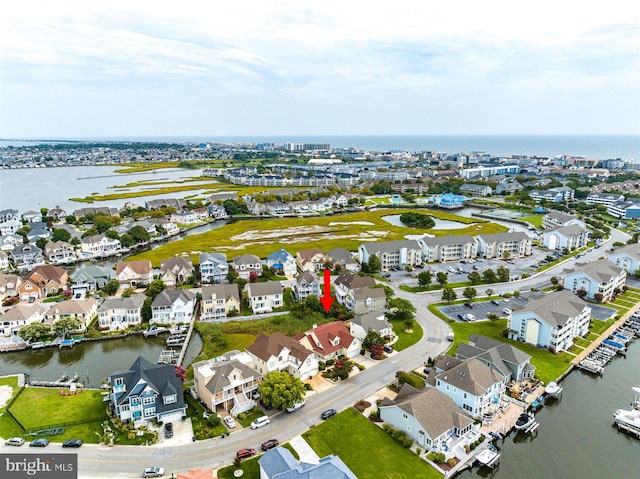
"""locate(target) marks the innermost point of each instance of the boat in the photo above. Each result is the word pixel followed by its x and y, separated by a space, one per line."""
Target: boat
pixel 153 331
pixel 37 345
pixel 489 457
pixel 175 340
pixel 179 329
pixel 629 419
pixel 553 390
pixel 524 421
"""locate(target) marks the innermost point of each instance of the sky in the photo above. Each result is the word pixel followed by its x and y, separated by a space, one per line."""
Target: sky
pixel 74 69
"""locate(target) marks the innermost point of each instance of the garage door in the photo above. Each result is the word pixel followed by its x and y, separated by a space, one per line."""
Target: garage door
pixel 533 328
pixel 171 417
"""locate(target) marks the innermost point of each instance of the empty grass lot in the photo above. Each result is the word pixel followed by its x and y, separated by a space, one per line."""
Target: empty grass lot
pixel 366 449
pixel 405 339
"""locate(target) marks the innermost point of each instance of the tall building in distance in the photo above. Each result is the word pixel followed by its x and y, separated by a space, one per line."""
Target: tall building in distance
pixel 306 146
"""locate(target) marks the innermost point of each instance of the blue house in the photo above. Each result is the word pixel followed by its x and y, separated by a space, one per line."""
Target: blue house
pixel 449 201
pixel 284 261
pixel 279 463
pixel 146 392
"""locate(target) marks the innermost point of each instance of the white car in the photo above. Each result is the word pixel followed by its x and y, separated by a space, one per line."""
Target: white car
pixel 153 472
pixel 295 407
pixel 261 421
pixel 15 441
pixel 506 311
pixel 469 317
pixel 230 422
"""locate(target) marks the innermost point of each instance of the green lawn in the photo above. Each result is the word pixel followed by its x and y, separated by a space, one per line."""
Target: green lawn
pixel 366 449
pixel 250 468
pixel 535 220
pixel 405 339
pixel 202 429
pixel 8 427
pixel 250 416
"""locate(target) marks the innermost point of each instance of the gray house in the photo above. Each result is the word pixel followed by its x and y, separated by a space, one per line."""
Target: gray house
pixel 508 360
pixel 279 463
pixel 91 278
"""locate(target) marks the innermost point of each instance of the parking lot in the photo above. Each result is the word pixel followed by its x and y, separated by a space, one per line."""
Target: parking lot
pixel 481 309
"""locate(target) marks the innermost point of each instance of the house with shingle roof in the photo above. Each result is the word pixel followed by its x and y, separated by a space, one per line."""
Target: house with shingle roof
pixel 9 285
pixel 90 278
pixel 311 259
pixel 176 271
pixel 516 244
pixel 556 219
pixel 4 261
pixel 307 284
pixel 245 264
pixel 504 358
pixel 134 273
pixel 552 321
pixel 599 279
pixel 392 254
pixel 43 281
pixel 219 301
pixel 627 258
pixel 265 297
pixel 173 306
pixel 84 310
pixel 282 353
pixel 100 245
pixel 20 315
pixel 60 252
pixel 570 237
pixel 279 463
pixel 340 257
pixel 429 416
pixel 213 267
pixel 376 321
pixel 369 299
pixel 227 384
pixel 120 313
pixel 448 248
pixel 330 340
pixel 147 392
pixel 282 261
pixel 27 256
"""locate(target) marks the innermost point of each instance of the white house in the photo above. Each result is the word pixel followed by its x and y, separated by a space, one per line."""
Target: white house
pixel 392 254
pixel 213 267
pixel 570 237
pixel 120 313
pixel 265 297
pixel 245 264
pixel 627 258
pixel 173 306
pixel 306 284
pixel 19 316
pixel 448 248
pixel 599 280
pixel 281 353
pixel 476 189
pixel 283 261
pixel 100 245
pixel 556 219
pixel 376 321
pixel 515 245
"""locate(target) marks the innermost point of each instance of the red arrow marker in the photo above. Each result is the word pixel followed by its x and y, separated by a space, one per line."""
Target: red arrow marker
pixel 327 299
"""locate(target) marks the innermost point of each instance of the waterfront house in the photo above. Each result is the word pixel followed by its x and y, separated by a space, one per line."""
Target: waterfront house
pixel 120 313
pixel 219 301
pixel 149 226
pixel 554 195
pixel 57 213
pixel 37 233
pixel 43 281
pixel 346 285
pixel 448 248
pixel 282 262
pixel 265 297
pixel 556 219
pixel 476 189
pixel 343 259
pixel 307 284
pixel 176 271
pixel 178 203
pixel 95 210
pixel 279 463
pixel 448 201
pixel 9 285
pixel 84 310
pixel 627 258
pixel 245 264
pixel 311 260
pixel 100 245
pixel 597 281
pixel 10 241
pixel 216 211
pixel 504 245
pixel 551 322
pixel 59 252
pixel 147 392
pixel 429 417
pixel 27 257
pixel 362 324
pixel 392 254
pixel 277 208
pixel 508 360
pixel 330 340
pixel 566 237
pixel 18 316
pixel 169 227
pixel 134 273
pixel 90 278
pixel 281 353
pixel 9 215
pixel 213 267
pixel 173 306
pixel 184 217
pixel 226 383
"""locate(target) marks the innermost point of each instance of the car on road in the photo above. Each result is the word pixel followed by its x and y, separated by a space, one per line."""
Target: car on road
pixel 266 405
pixel 14 441
pixel 230 422
pixel 468 305
pixel 328 413
pixel 168 430
pixel 72 443
pixel 42 442
pixel 259 422
pixel 269 444
pixel 475 266
pixel 247 452
pixel 295 406
pixel 153 472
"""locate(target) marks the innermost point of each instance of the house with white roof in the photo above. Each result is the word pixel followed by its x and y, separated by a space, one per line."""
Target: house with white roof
pixel 599 280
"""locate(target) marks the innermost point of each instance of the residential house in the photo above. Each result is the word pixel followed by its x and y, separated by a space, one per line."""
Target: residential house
pixel 277 208
pixel 429 417
pixel 508 187
pixel 176 271
pixel 134 273
pixel 508 360
pixel 38 233
pixel 216 211
pixel 566 237
pixel 84 310
pixel 4 261
pixel 120 313
pixel 10 227
pixel 169 227
pixel 213 267
pixel 8 215
pixel 173 306
pixel 201 213
pixel 346 284
pixel 369 299
pixel 149 226
pixel 57 213
pixel 627 258
pixel 184 217
pixel 607 199
pixel 448 248
pixel 504 245
pixel 628 209
pixel 330 340
pixel 219 301
pixel 364 323
pixel 392 254
pixel 90 278
pixel 10 241
pixel 279 463
pixel 282 262
pixel 60 252
pixel 281 353
pixel 100 245
pixel 226 383
pixel 245 264
pixel 476 190
pixel 265 297
pixel 311 260
pixel 95 210
pixel 147 392
pixel 43 281
pixel 554 195
pixel 551 321
pixel 18 316
pixel 9 285
pixel 448 201
pixel 307 284
pixel 178 203
pixel 343 259
pixel 555 219
pixel 599 280
pixel 27 256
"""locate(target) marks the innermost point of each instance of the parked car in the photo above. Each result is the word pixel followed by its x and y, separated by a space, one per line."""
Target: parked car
pixel 168 430
pixel 269 444
pixel 230 422
pixel 295 407
pixel 328 413
pixel 461 317
pixel 495 301
pixel 247 452
pixel 469 317
pixel 386 275
pixel 14 441
pixel 266 405
pixel 468 305
pixel 506 311
pixel 387 349
pixel 451 270
pixel 42 442
pixel 259 422
pixel 475 266
pixel 255 395
pixel 426 370
pixel 72 443
pixel 153 472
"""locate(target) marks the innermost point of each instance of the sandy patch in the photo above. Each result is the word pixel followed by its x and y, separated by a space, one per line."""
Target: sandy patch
pixel 5 395
pixel 293 231
pixel 417 237
pixel 366 223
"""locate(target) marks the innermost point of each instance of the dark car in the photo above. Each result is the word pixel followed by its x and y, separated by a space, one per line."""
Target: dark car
pixel 72 443
pixel 461 317
pixel 387 349
pixel 168 430
pixel 42 442
pixel 248 452
pixel 266 405
pixel 270 444
pixel 468 305
pixel 495 301
pixel 328 413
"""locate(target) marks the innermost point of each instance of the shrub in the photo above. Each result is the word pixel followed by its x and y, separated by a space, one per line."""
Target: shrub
pixel 409 378
pixel 374 415
pixel 308 387
pixel 451 462
pixel 418 451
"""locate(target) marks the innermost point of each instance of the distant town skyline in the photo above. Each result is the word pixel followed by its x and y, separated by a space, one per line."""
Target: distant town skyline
pixel 83 69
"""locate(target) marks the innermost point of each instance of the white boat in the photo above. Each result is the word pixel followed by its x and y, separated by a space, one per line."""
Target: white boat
pixel 179 329
pixel 489 457
pixel 524 421
pixel 175 340
pixel 629 419
pixel 154 331
pixel 37 345
pixel 553 390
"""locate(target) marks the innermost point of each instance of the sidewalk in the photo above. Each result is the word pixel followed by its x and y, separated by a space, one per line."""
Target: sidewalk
pixel 304 450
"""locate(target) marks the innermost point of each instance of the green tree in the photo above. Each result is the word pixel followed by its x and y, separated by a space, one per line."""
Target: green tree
pixel 113 234
pixel 41 242
pixel 489 276
pixel 75 241
pixel 442 278
pixel 90 232
pixel 155 288
pixel 34 332
pixel 139 234
pixel 44 212
pixel 424 278
pixel 145 312
pixel 372 338
pixel 470 293
pixel 400 308
pixel 70 219
pixel 374 264
pixel 64 325
pixel 128 292
pixel 489 292
pixel 506 254
pixel 449 295
pixel 502 272
pixel 111 287
pixel 554 280
pixel 127 240
pixel 60 234
pixel 474 277
pixel 281 389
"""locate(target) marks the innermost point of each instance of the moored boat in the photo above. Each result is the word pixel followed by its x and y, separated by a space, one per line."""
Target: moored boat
pixel 524 421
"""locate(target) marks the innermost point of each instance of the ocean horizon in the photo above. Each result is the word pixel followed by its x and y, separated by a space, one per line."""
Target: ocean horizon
pixel 590 146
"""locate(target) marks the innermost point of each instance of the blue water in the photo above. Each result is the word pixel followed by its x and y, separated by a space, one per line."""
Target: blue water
pixel 591 146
